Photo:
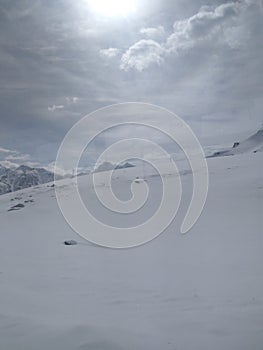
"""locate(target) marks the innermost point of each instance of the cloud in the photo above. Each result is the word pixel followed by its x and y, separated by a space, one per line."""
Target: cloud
pixel 52 167
pixel 142 55
pixel 8 164
pixel 18 157
pixel 209 27
pixel 5 150
pixel 59 63
pixel 13 158
pixel 55 108
pixel 110 53
pixel 72 100
pixel 204 28
pixel 153 32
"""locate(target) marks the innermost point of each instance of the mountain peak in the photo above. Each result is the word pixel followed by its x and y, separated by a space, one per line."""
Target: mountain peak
pixel 24 168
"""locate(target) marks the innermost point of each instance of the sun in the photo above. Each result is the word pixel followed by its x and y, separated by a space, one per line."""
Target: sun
pixel 113 8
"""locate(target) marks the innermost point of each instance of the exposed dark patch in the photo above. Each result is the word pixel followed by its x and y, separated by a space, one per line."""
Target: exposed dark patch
pixel 29 201
pixel 70 242
pixel 16 207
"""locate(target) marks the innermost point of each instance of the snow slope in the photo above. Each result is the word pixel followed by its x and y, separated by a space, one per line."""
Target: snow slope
pixel 252 144
pixel 200 291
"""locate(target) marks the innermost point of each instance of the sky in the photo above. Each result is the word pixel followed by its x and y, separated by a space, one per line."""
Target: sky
pixel 61 60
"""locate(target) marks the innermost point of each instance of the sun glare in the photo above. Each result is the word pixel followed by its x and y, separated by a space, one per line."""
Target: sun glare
pixel 113 8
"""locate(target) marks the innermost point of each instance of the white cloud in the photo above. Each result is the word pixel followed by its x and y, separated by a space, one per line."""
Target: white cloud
pixel 72 100
pixel 204 28
pixel 32 164
pixel 12 158
pixel 142 54
pixel 8 164
pixel 57 170
pixel 110 53
pixel 5 150
pixel 55 107
pixel 18 157
pixel 208 28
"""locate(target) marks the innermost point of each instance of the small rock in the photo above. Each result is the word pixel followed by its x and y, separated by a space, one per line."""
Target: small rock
pixel 70 242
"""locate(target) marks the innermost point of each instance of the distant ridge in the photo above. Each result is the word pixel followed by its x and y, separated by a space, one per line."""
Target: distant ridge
pixel 106 166
pixel 22 177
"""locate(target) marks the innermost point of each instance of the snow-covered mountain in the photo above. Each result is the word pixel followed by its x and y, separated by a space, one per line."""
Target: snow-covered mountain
pixel 106 166
pixel 252 144
pixel 14 179
pixel 22 177
pixel 125 165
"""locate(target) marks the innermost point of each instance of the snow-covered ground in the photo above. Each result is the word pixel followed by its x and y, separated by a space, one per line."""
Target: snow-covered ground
pixel 199 291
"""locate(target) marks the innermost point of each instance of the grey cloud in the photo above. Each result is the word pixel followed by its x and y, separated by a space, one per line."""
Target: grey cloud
pixel 207 67
pixel 46 61
pixel 153 32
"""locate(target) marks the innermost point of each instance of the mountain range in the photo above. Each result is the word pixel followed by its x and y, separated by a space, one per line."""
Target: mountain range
pixel 106 166
pixel 22 177
pixel 13 179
